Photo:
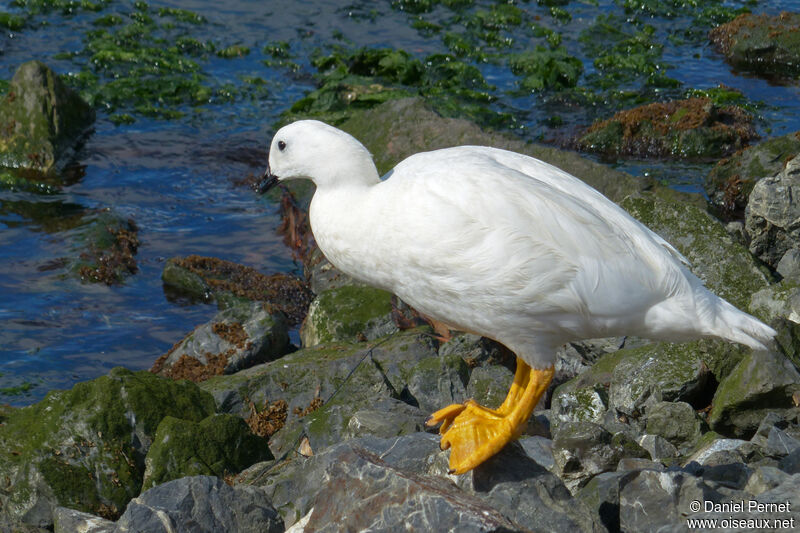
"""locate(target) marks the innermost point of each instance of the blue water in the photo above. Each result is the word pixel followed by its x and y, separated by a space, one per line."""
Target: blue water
pixel 177 179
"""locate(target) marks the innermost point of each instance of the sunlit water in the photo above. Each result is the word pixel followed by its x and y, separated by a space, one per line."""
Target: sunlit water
pixel 176 179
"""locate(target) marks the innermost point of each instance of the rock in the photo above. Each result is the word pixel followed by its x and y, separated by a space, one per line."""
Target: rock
pixel 676 422
pixel 84 448
pixel 203 504
pixel 349 313
pixel 779 306
pixel 582 450
pixel 777 435
pixel 105 246
pixel 400 484
pixel 732 475
pixel 658 447
pixel 601 495
pixel 694 128
pixel 713 450
pixel 760 383
pixel 385 419
pixel 791 463
pixel 726 267
pixel 623 381
pixel 42 120
pixel 764 44
pixel 540 449
pixel 488 385
pixel 772 213
pixel 216 446
pixel 731 180
pixel 239 337
pixel 659 501
pixel 403 366
pixel 228 283
pixel 320 273
pixel 764 478
pixel 71 521
pixel 789 265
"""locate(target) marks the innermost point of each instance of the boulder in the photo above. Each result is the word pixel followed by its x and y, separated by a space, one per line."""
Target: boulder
pixel 731 180
pixel 694 128
pixel 42 120
pixel 351 313
pixel 203 504
pixel 764 44
pixel 219 445
pixel 772 214
pixel 676 422
pixel 241 336
pixel 85 448
pixel 760 383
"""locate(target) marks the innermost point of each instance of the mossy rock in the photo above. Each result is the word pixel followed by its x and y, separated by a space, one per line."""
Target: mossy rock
pixel 42 120
pixel 726 267
pixel 695 128
pixel 230 284
pixel 105 245
pixel 216 446
pixel 675 421
pixel 350 313
pixel 779 306
pixel 84 448
pixel 760 383
pixel 730 182
pixel 764 44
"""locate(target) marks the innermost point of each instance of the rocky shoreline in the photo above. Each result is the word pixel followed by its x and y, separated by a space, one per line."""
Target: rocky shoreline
pixel 237 429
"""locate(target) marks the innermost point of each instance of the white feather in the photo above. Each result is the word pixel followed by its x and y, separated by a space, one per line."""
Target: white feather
pixel 502 245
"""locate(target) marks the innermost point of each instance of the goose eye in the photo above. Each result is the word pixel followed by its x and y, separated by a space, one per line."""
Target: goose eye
pixel 281 145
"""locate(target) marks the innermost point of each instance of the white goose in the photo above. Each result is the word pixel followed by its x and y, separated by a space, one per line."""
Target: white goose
pixel 501 245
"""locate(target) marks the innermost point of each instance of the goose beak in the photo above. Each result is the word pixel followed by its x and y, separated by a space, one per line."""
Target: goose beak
pixel 267 182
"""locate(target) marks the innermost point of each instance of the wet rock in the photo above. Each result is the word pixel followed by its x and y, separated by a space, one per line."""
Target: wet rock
pixel 227 283
pixel 349 313
pixel 726 267
pixel 84 448
pixel 759 384
pixel 695 128
pixel 677 422
pixel 105 245
pixel 216 446
pixel 200 504
pixel 71 521
pixel 582 450
pixel 730 182
pixel 42 120
pixel 772 213
pixel 764 44
pixel 239 337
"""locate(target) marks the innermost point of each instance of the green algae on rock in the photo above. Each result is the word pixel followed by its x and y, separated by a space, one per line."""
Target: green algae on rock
pixel 767 45
pixel 228 283
pixel 219 445
pixel 348 314
pixel 42 120
pixel 84 448
pixel 109 243
pixel 695 128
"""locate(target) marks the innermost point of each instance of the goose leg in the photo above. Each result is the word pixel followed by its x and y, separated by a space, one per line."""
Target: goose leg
pixel 475 433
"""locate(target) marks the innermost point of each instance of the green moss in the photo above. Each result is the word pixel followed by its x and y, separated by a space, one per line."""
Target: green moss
pixel 11 22
pixel 345 313
pixel 17 389
pixel 236 50
pixel 182 15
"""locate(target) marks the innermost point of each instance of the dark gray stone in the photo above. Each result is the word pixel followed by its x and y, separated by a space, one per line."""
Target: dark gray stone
pixel 677 422
pixel 200 504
